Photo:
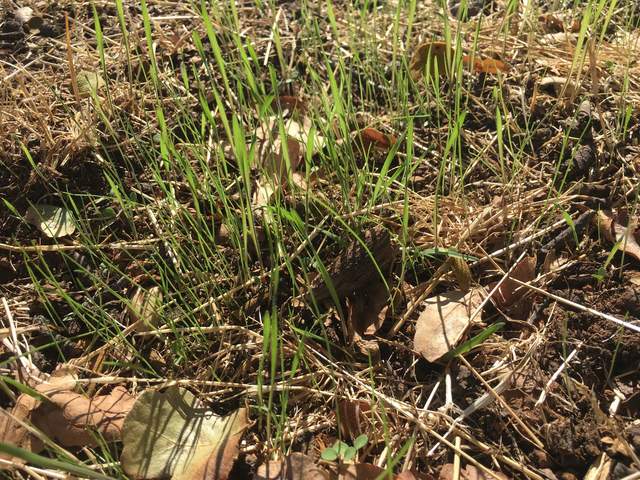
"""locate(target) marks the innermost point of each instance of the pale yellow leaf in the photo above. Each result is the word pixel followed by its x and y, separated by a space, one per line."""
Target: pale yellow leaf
pixel 444 321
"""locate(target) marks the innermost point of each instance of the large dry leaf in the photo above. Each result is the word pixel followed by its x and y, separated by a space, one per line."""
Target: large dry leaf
pixel 296 466
pixel 169 434
pixel 353 269
pixel 11 429
pixel 73 419
pixel 444 321
pixel 65 416
pixel 53 221
pixel 616 233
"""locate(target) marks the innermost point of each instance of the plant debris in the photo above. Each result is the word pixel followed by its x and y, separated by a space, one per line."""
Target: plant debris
pixel 169 434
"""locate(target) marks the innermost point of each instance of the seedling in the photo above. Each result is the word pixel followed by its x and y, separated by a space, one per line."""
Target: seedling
pixel 343 451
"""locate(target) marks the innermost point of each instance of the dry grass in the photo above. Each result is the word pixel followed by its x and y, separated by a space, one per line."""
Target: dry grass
pixel 478 173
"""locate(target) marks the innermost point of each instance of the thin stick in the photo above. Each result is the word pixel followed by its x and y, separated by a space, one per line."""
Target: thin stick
pixel 532 436
pixel 554 377
pixel 456 459
pixel 135 245
pixel 271 35
pixel 605 316
pixel 72 70
pixel 519 243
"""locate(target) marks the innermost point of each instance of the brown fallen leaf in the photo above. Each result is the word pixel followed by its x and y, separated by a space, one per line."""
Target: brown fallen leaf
pixel 169 434
pixel 485 65
pixel 431 54
pixel 11 430
pixel 510 293
pixel 619 234
pixel 73 419
pixel 370 137
pixel 295 466
pixel 444 321
pixel 550 23
pixel 70 418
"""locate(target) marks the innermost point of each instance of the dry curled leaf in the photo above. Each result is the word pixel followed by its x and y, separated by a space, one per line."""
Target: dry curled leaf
pixel 366 308
pixel 561 87
pixel 510 293
pixel 355 267
pixel 11 429
pixel 432 55
pixel 170 434
pixel 619 234
pixel 144 310
pixel 444 321
pixel 462 273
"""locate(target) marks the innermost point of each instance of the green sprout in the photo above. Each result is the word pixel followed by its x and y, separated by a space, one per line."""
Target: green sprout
pixel 343 451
